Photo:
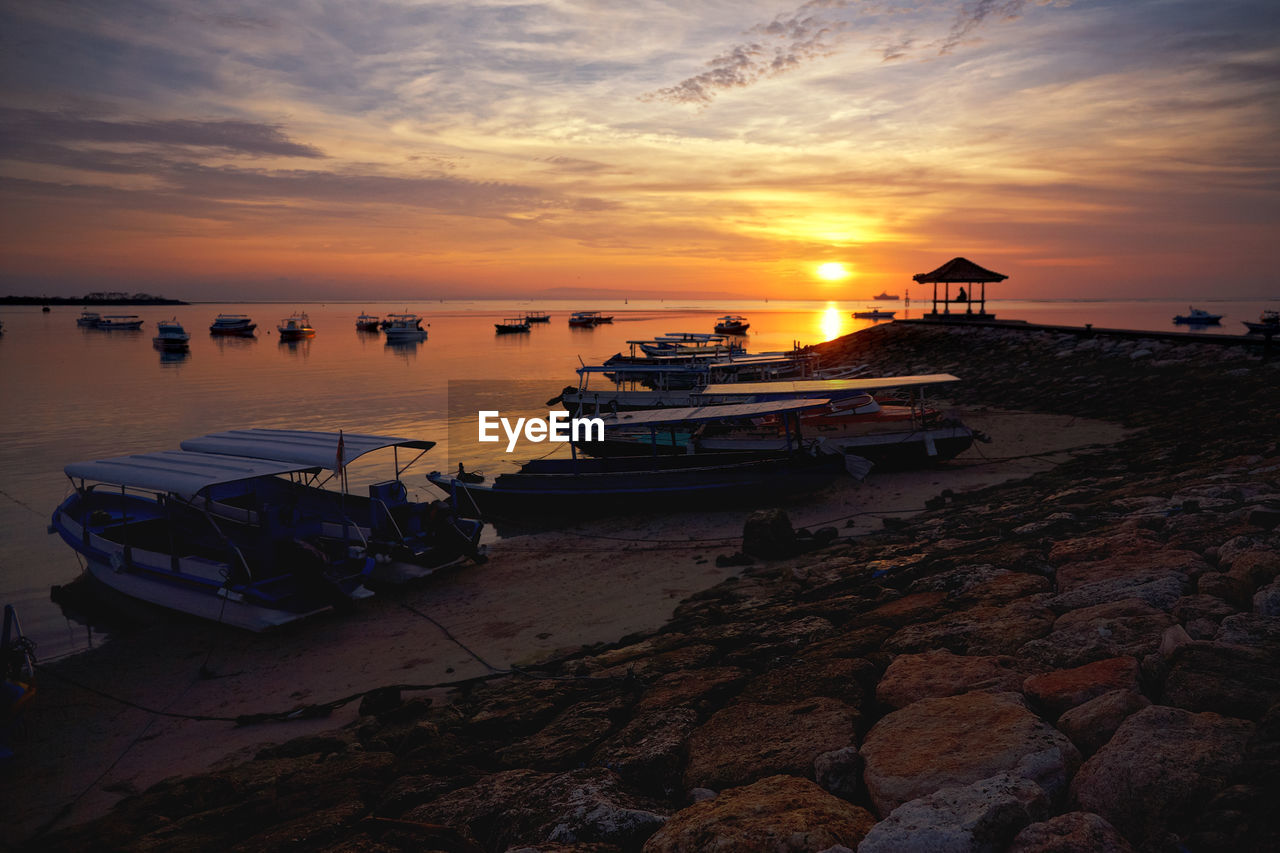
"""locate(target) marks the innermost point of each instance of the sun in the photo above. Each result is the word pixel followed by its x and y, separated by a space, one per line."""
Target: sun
pixel 832 271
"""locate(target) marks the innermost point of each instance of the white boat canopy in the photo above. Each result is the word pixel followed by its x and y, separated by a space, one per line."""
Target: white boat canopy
pixel 819 387
pixel 654 417
pixel 176 471
pixel 300 447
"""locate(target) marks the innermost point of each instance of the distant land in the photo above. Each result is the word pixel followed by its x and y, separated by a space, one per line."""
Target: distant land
pixel 600 293
pixel 103 298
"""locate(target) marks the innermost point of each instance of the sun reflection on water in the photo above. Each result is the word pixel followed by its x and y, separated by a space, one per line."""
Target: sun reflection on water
pixel 831 322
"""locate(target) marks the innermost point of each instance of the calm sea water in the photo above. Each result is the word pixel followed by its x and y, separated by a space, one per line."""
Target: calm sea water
pixel 69 394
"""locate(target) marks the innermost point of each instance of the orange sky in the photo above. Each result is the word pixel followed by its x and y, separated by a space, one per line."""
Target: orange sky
pixel 387 149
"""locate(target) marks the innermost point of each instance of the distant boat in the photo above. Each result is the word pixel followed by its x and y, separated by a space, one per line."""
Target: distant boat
pixel 1268 321
pixel 404 328
pixel 537 317
pixel 232 324
pixel 587 319
pixel 296 327
pixel 732 324
pixel 46 309
pixel 119 322
pixel 512 325
pixel 368 323
pixel 873 314
pixel 1197 317
pixel 886 297
pixel 171 337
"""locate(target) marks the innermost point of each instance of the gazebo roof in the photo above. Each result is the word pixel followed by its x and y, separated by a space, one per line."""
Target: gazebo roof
pixel 959 269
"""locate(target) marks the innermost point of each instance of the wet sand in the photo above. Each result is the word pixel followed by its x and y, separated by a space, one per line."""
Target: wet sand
pixel 537 594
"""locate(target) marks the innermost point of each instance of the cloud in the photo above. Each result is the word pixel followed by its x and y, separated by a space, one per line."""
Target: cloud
pixel 973 15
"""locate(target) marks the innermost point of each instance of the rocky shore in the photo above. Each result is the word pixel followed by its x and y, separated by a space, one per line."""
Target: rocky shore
pixel 1085 660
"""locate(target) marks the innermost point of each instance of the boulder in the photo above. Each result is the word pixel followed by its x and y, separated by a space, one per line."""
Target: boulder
pixel 566 740
pixel 837 678
pixel 1092 724
pixel 940 673
pixel 982 816
pixel 779 813
pixel 1131 541
pixel 1117 629
pixel 1266 601
pixel 1194 607
pixel 916 607
pixel 1235 680
pixel 1073 832
pixel 958 740
pixel 1160 591
pixel 747 741
pixel 767 534
pixel 649 752
pixel 980 630
pixel 1063 689
pixel 1161 766
pixel 1139 567
pixel 1252 630
pixel 839 772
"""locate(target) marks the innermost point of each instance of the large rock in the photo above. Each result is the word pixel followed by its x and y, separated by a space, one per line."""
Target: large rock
pixel 1239 681
pixel 1138 568
pixel 1117 629
pixel 1158 770
pixel 649 752
pixel 982 816
pixel 1093 723
pixel 1130 541
pixel 1073 832
pixel 748 740
pixel 938 673
pixel 1266 601
pixel 981 630
pixel 958 740
pixel 1160 591
pixel 780 813
pixel 1252 630
pixel 1063 689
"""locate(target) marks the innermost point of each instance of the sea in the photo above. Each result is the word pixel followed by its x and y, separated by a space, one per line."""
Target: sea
pixel 70 393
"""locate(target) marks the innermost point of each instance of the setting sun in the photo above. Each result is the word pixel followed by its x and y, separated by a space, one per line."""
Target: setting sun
pixel 832 271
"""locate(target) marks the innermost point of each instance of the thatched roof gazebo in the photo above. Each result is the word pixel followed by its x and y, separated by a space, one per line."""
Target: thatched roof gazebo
pixel 960 271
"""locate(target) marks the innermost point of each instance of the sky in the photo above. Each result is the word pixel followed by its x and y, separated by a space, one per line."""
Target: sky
pixel 386 148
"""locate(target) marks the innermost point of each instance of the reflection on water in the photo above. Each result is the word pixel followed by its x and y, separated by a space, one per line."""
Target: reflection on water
pixel 299 348
pixel 173 358
pixel 831 322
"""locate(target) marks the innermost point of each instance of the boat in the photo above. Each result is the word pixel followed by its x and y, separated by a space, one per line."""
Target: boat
pixel 1268 322
pixel 141 526
pixel 368 323
pixel 171 337
pixel 885 296
pixel 1197 317
pixel 88 318
pixel 732 324
pixel 119 322
pixel 295 327
pixel 403 328
pixel 695 344
pixel 45 309
pixel 873 314
pixel 512 326
pixel 232 324
pixel 537 317
pixel 587 319
pixel 407 539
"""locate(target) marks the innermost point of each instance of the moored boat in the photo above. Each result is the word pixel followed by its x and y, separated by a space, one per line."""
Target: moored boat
pixel 587 319
pixel 403 328
pixel 368 323
pixel 88 318
pixel 119 322
pixel 232 324
pixel 510 326
pixel 1197 317
pixel 873 314
pixel 171 337
pixel 732 324
pixel 295 327
pixel 1268 321
pixel 537 317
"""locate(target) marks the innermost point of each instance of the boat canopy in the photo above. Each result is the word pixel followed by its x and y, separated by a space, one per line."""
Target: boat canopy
pixel 695 414
pixel 178 471
pixel 300 447
pixel 815 387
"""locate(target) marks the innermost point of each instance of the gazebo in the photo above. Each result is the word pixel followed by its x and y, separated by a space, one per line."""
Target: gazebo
pixel 960 271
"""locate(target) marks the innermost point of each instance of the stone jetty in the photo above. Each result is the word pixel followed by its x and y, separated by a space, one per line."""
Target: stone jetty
pixel 1084 660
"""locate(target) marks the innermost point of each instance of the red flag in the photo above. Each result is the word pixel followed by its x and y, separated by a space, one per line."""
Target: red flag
pixel 339 465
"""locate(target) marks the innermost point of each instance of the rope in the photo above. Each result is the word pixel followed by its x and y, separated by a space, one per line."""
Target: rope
pixel 22 504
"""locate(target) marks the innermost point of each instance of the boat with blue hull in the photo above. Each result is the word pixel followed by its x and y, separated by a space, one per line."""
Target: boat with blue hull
pixel 141 525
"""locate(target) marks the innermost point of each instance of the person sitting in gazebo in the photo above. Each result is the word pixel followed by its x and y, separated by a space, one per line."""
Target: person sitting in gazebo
pixel 960 297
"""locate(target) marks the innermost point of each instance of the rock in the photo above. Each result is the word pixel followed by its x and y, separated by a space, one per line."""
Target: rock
pixel 839 772
pixel 694 688
pixel 941 673
pixel 1091 724
pixel 981 630
pixel 1138 568
pixel 649 752
pixel 566 740
pixel 1266 601
pixel 748 740
pixel 1064 689
pixel 780 813
pixel 1256 568
pixel 836 678
pixel 1162 764
pixel 1192 607
pixel 1129 541
pixel 1264 517
pixel 1073 832
pixel 1250 629
pixel 767 534
pixel 982 816
pixel 1117 629
pixel 917 607
pixel 1227 587
pixel 1238 681
pixel 958 740
pixel 1173 638
pixel 1161 593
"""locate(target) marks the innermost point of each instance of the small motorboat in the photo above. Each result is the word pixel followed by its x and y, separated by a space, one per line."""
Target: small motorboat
pixel 1268 322
pixel 1197 317
pixel 119 323
pixel 296 327
pixel 586 319
pixel 88 318
pixel 404 328
pixel 171 337
pixel 512 326
pixel 732 324
pixel 873 314
pixel 233 324
pixel 368 323
pixel 537 317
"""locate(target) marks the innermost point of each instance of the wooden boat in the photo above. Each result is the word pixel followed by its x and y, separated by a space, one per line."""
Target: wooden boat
pixel 403 328
pixel 873 314
pixel 368 323
pixel 511 326
pixel 119 322
pixel 295 327
pixel 587 319
pixel 1268 322
pixel 139 523
pixel 88 318
pixel 1197 317
pixel 732 324
pixel 171 337
pixel 233 324
pixel 537 317
pixel 407 539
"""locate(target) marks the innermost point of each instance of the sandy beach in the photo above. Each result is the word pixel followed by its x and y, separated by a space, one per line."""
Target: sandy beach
pixel 537 595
